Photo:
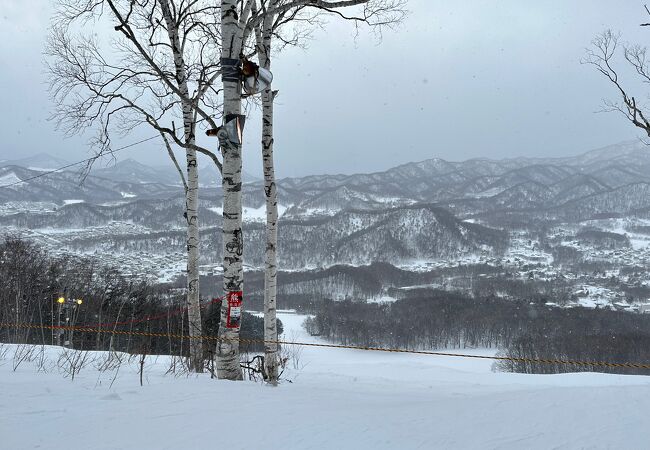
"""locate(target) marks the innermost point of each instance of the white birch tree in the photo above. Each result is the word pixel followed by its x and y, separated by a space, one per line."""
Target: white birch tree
pixel 227 354
pixel 263 40
pixel 143 78
pixel 239 19
pixel 271 359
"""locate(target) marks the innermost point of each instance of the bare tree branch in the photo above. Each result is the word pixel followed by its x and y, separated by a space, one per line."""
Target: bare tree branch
pixel 601 56
pixel 173 158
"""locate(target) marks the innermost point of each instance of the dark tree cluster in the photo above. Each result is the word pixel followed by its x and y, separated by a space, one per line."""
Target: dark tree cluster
pixel 31 282
pixel 521 329
pixel 428 319
pixel 602 239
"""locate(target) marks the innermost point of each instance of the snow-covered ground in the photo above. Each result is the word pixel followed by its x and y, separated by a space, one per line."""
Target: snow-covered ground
pixel 251 214
pixel 338 399
pixel 10 179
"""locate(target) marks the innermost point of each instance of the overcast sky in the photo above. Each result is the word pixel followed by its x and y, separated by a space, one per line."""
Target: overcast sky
pixel 459 79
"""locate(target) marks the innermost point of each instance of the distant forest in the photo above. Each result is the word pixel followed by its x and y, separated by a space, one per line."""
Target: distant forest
pixel 31 282
pixel 522 326
pixel 520 329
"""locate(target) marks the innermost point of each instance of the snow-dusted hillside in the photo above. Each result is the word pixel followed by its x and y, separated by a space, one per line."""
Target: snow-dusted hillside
pixel 343 399
pixel 523 220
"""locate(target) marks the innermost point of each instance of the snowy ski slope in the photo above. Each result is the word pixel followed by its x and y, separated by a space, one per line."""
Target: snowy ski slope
pixel 338 399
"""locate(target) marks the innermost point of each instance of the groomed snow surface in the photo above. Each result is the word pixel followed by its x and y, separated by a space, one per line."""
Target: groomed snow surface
pixel 338 399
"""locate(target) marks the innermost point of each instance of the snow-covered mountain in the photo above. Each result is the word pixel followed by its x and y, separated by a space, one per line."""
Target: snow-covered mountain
pixel 470 187
pixel 41 161
pixel 132 171
pixel 481 186
pixel 421 211
pixel 20 184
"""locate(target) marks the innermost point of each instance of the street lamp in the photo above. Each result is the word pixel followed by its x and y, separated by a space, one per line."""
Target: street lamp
pixel 67 312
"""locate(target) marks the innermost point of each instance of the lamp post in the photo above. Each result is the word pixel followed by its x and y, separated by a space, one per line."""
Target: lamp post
pixel 68 310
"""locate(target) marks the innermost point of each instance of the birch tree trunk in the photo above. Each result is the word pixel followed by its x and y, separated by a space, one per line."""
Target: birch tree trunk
pixel 271 268
pixel 227 352
pixel 193 299
pixel 270 191
pixel 191 196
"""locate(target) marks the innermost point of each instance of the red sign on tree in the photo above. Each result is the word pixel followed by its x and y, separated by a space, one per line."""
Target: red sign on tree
pixel 234 299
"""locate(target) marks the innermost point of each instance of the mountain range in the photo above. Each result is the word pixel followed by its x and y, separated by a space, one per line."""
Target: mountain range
pixel 126 170
pixel 424 210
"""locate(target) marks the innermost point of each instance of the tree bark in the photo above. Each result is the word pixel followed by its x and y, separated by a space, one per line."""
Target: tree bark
pixel 270 192
pixel 271 272
pixel 193 240
pixel 227 352
pixel 191 197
